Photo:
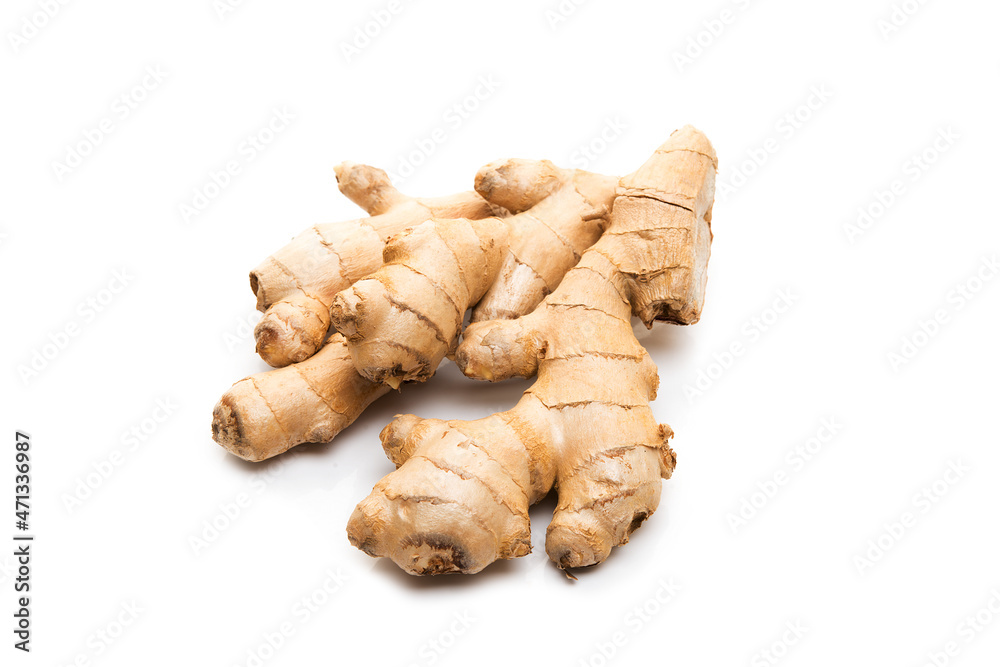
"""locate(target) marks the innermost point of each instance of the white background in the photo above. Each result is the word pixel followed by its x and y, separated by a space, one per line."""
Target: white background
pixel 605 75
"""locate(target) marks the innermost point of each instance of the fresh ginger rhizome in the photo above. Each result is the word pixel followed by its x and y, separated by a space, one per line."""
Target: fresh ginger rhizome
pixel 554 263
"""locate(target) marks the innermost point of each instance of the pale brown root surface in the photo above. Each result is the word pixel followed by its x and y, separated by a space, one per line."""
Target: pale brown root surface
pixel 269 413
pixel 548 238
pixel 401 321
pixel 440 255
pixel 585 426
pixel 296 285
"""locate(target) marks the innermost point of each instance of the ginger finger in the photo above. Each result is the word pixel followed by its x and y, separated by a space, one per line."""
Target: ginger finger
pixel 459 496
pixel 295 286
pixel 560 216
pixel 258 418
pixel 404 318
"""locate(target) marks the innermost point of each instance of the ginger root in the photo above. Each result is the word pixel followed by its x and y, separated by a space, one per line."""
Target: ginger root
pixel 561 213
pixel 401 321
pixel 460 495
pixel 296 285
pixel 267 414
pixel 397 323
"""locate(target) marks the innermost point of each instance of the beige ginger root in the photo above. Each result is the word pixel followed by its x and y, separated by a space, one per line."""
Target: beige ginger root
pixel 311 401
pixel 460 495
pixel 439 268
pixel 561 213
pixel 296 285
pixel 406 316
pixel 401 321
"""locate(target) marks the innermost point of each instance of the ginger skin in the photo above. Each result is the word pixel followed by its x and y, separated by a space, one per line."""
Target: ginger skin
pixel 255 420
pixel 401 321
pixel 296 285
pixel 560 213
pixel 460 495
pixel 403 318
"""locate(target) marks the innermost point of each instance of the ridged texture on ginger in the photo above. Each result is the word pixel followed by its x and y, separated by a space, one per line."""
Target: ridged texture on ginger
pixel 561 213
pixel 296 285
pixel 402 320
pixel 312 401
pixel 404 317
pixel 460 496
